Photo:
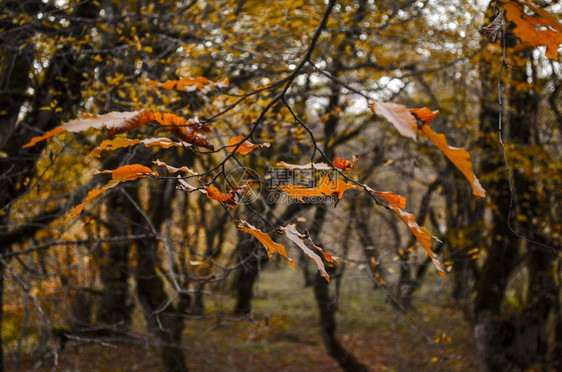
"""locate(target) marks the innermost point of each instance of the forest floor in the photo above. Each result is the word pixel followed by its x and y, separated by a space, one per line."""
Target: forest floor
pixel 381 337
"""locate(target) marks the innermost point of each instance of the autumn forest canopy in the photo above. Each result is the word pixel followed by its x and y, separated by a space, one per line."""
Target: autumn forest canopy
pixel 212 185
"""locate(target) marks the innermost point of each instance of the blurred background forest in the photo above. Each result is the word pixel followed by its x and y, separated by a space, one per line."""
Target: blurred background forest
pixel 151 277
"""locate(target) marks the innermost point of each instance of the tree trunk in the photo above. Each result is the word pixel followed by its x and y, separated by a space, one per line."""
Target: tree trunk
pixel 540 262
pixel 167 324
pixel 327 312
pixel 557 349
pixel 254 258
pixel 245 280
pixel 19 165
pixel 464 232
pixel 492 334
pixel 164 321
pixel 2 271
pixel 115 307
pixel 327 306
pixel 518 341
pixel 307 273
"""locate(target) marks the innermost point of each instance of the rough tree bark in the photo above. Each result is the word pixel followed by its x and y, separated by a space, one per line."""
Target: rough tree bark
pixel 164 321
pixel 327 308
pixel 540 259
pixel 517 341
pixel 115 308
pixel 248 274
pixel 503 251
pixel 464 232
pixel 62 74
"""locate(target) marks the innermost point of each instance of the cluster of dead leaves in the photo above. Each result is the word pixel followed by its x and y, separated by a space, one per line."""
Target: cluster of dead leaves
pixel 122 174
pixel 541 28
pixel 243 147
pixel 397 204
pixel 412 122
pixel 190 131
pixel 233 197
pixel 326 186
pixel 300 240
pixel 189 84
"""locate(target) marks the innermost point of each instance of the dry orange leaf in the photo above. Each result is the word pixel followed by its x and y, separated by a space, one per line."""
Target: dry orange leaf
pixel 199 81
pixel 214 193
pixel 188 84
pixel 392 199
pixel 424 114
pixel 129 172
pixel 129 124
pixel 245 147
pixel 163 142
pixel 307 166
pixel 398 115
pixel 542 29
pixel 190 130
pixel 299 239
pixel 138 45
pixel 299 192
pixel 114 122
pixel 339 163
pixel 167 119
pixel 174 169
pixel 328 257
pixel 326 186
pixel 112 144
pixel 333 186
pixel 48 134
pixel 80 207
pixel 188 187
pixel 233 197
pixel 224 83
pixel 266 240
pixel 421 234
pixel 121 142
pixel 121 174
pixel 459 157
pixel 345 165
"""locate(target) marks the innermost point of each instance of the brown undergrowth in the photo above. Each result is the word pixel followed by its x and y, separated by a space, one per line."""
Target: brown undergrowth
pixel 282 334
